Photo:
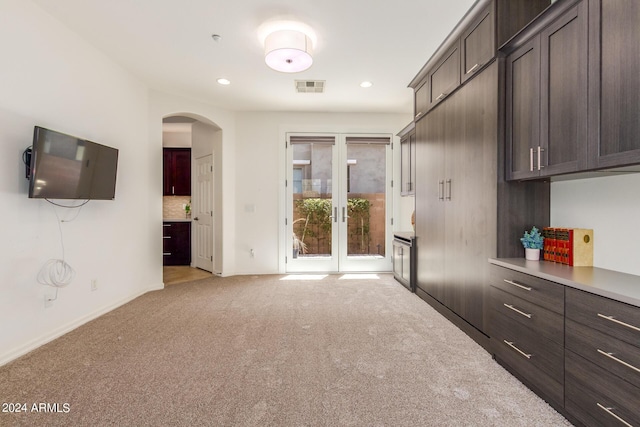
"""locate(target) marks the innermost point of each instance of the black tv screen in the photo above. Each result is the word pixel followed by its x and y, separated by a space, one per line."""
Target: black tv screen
pixel 66 167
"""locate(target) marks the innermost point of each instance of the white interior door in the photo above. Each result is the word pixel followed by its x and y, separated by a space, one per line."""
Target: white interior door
pixel 203 213
pixel 338 209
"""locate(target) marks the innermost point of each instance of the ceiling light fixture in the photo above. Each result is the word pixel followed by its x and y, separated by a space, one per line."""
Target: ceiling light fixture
pixel 224 82
pixel 366 84
pixel 288 50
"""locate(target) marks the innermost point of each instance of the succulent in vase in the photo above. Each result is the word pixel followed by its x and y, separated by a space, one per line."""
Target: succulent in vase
pixel 532 239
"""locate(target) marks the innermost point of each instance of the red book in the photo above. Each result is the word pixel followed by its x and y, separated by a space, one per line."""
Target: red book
pixel 549 245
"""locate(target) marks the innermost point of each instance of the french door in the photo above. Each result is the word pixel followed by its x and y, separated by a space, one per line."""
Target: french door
pixel 338 206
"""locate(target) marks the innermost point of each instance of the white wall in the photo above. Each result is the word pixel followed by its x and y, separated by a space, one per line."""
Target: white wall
pixel 162 105
pixel 52 78
pixel 611 207
pixel 260 165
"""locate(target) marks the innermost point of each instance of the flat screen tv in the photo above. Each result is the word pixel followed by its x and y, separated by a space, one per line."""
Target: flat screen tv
pixel 66 167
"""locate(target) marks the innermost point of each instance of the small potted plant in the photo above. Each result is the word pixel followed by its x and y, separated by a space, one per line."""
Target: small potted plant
pixel 533 242
pixel 187 209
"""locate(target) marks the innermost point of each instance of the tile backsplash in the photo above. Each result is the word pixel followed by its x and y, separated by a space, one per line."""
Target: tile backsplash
pixel 172 207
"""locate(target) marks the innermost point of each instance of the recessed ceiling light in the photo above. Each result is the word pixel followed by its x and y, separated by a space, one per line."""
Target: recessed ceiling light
pixel 366 84
pixel 224 82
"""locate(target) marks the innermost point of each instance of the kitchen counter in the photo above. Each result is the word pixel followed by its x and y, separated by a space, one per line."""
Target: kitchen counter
pixel 176 220
pixel 607 283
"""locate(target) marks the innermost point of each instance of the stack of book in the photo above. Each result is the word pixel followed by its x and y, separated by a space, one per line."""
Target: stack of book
pixel 570 246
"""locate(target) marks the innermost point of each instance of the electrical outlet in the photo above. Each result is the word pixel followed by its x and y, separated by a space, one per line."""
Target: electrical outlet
pixel 252 253
pixel 48 300
pixel 94 284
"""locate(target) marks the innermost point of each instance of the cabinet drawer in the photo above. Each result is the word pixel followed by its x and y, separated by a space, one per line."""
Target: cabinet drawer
pixel 614 318
pixel 617 357
pixel 531 349
pixel 540 320
pixel 533 289
pixel 590 389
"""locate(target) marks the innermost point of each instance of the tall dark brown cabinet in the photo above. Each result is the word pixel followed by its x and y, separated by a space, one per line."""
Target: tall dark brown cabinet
pixel 463 203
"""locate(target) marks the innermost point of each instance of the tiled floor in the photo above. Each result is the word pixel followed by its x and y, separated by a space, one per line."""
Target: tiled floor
pixel 180 274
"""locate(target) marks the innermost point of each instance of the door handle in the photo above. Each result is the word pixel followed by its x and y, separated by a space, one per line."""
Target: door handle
pixel 531 159
pixel 449 192
pixel 344 214
pixel 441 190
pixel 196 219
pixel 540 150
pixel 335 214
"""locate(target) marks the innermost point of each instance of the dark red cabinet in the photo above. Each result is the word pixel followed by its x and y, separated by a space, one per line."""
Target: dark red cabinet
pixel 177 171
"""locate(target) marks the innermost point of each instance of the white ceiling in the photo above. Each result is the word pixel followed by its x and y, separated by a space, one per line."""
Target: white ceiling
pixel 168 44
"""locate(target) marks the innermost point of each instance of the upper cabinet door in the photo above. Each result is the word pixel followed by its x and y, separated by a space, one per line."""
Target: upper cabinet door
pixel 177 171
pixel 421 95
pixel 563 87
pixel 445 76
pixel 523 110
pixel 614 93
pixel 477 44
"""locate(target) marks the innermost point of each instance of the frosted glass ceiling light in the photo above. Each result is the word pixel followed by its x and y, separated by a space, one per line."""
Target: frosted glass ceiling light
pixel 288 51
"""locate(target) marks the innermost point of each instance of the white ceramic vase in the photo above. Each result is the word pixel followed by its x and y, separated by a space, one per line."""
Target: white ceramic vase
pixel 532 254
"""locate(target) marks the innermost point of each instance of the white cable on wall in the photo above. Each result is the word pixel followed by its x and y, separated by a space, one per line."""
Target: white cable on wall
pixel 56 272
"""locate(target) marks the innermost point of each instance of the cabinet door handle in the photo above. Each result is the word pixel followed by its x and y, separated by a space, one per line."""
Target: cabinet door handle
pixel 166 237
pixel 526 288
pixel 611 318
pixel 166 254
pixel 419 114
pixel 449 188
pixel 531 159
pixel 622 362
pixel 509 306
pixel 510 344
pixel 441 190
pixel 173 189
pixel 540 150
pixel 442 95
pixel 610 412
pixel 472 69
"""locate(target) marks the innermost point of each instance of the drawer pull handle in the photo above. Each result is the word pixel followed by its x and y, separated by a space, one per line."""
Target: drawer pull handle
pixel 622 362
pixel 510 344
pixel 442 95
pixel 610 412
pixel 166 254
pixel 166 237
pixel 635 328
pixel 511 282
pixel 509 306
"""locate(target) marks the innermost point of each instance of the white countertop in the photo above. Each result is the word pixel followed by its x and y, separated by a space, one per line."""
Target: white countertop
pixel 176 220
pixel 607 283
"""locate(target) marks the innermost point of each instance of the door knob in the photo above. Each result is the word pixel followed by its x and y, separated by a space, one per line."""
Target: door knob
pixel 195 219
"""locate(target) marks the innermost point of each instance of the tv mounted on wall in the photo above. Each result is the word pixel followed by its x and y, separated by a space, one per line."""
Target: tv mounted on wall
pixel 66 167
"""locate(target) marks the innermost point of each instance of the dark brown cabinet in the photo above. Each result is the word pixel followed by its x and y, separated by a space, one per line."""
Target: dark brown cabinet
pixel 614 92
pixel 603 360
pixel 527 329
pixel 404 259
pixel 456 196
pixel 444 78
pixel 477 44
pixel 546 100
pixel 176 243
pixel 177 171
pixel 421 98
pixel 407 160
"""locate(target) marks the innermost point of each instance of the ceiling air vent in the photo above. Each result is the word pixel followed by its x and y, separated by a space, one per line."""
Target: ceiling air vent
pixel 310 86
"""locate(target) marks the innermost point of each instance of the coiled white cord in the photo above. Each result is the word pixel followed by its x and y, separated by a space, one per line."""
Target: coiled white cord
pixel 56 272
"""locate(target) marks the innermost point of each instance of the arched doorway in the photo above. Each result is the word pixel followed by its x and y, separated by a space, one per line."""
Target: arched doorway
pixel 189 148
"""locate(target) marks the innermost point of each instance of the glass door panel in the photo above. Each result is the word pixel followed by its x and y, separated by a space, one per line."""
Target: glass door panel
pixel 313 213
pixel 365 242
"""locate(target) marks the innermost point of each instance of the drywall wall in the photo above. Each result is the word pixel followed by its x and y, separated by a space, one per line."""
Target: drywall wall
pixel 611 207
pixel 50 77
pixel 260 172
pixel 221 133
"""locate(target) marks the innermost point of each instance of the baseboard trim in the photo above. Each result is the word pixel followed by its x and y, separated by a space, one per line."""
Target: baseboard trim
pixel 57 333
pixel 462 324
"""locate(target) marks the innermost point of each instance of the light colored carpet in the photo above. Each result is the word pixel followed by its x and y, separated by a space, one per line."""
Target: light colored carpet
pixel 265 351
